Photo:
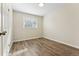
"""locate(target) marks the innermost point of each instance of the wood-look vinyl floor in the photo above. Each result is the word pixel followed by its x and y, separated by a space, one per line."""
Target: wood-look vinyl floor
pixel 42 47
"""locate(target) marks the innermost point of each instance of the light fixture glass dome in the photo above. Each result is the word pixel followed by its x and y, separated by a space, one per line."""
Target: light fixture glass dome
pixel 41 4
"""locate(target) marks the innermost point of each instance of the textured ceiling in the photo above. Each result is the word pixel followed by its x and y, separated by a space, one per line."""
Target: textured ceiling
pixel 33 8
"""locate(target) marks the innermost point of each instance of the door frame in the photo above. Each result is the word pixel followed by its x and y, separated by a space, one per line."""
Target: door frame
pixel 1 29
pixel 6 11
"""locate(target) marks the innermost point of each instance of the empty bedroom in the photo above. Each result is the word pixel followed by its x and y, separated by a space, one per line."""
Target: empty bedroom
pixel 39 29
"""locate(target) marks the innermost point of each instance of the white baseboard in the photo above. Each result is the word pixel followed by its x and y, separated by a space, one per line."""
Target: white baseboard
pixel 62 42
pixel 26 39
pixel 11 44
pixel 10 47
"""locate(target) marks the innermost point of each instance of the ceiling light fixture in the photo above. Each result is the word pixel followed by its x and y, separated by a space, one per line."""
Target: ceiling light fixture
pixel 41 4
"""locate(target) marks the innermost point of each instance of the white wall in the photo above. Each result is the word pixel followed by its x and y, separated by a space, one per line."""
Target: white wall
pixel 62 25
pixel 20 33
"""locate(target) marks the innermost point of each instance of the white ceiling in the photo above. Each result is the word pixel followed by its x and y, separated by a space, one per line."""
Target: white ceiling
pixel 33 8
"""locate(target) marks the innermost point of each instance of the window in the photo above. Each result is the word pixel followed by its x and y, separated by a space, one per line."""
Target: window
pixel 30 22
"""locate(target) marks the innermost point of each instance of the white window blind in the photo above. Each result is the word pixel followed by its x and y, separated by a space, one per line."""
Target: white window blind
pixel 30 21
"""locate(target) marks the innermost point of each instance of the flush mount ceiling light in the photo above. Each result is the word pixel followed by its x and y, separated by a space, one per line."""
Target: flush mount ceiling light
pixel 41 4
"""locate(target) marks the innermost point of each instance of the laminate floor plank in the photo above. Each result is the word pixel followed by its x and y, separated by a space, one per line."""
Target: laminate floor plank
pixel 42 47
